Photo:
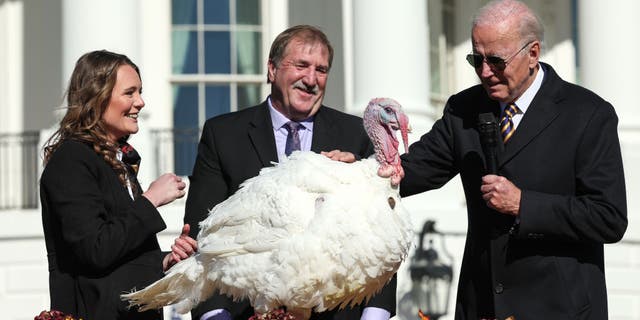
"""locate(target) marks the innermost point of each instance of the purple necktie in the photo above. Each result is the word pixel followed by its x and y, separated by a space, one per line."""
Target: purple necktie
pixel 506 124
pixel 293 139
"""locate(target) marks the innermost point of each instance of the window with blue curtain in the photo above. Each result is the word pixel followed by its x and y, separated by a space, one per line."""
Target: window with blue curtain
pixel 217 66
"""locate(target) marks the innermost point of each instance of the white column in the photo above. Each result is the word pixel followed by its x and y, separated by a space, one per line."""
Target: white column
pixel 94 25
pixel 559 48
pixel 276 20
pixel 463 74
pixel 118 26
pixel 608 54
pixel 390 54
pixel 154 51
pixel 155 62
pixel 11 65
pixel 11 99
pixel 608 49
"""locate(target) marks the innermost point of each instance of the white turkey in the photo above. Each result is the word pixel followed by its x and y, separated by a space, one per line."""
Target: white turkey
pixel 308 234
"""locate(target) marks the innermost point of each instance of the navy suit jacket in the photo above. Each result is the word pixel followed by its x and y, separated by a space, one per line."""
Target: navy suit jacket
pixel 234 147
pixel 565 157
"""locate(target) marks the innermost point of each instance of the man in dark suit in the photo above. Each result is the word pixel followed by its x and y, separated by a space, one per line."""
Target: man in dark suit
pixel 537 226
pixel 235 146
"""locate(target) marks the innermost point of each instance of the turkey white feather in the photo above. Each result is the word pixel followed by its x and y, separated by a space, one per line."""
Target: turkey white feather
pixel 308 234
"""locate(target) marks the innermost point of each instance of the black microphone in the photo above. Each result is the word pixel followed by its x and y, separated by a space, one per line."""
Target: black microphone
pixel 488 129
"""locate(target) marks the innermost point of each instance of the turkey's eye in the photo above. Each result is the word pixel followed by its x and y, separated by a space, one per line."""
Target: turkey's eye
pixel 392 202
pixel 319 201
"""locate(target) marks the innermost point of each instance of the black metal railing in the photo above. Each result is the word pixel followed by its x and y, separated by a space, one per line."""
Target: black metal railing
pixel 175 149
pixel 19 156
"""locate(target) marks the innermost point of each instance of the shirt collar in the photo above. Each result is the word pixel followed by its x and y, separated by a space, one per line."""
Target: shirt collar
pixel 525 99
pixel 278 119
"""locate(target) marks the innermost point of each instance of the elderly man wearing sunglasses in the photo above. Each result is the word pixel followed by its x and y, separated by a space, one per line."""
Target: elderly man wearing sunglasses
pixel 555 192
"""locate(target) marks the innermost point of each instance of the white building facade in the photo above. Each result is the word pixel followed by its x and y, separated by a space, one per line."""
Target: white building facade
pixel 200 58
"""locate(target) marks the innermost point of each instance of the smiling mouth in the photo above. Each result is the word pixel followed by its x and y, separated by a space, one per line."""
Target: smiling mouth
pixel 132 116
pixel 307 91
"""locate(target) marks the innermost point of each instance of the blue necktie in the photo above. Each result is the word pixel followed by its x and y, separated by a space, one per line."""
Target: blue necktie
pixel 506 124
pixel 293 139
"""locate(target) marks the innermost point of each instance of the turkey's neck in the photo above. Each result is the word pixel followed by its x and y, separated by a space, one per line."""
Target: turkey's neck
pixel 385 145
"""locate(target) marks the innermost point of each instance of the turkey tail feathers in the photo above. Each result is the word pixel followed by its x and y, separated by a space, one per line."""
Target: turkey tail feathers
pixel 181 286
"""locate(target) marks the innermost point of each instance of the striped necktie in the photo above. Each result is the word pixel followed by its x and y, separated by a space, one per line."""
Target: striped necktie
pixel 506 124
pixel 293 138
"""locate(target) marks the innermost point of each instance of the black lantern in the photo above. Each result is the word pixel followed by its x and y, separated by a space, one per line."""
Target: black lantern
pixel 431 273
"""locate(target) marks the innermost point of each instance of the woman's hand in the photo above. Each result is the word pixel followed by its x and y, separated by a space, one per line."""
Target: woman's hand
pixel 182 248
pixel 165 189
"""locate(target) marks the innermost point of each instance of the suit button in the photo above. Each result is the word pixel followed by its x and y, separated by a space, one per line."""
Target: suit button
pixel 499 288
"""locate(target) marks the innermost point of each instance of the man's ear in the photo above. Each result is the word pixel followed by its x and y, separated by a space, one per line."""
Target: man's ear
pixel 534 54
pixel 271 71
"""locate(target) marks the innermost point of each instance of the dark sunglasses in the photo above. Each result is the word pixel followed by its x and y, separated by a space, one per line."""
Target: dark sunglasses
pixel 495 63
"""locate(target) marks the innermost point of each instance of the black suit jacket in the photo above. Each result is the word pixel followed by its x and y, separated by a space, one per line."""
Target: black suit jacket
pixel 100 243
pixel 234 147
pixel 565 157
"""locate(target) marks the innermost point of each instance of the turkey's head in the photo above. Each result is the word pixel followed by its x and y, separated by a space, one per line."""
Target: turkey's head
pixel 382 118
